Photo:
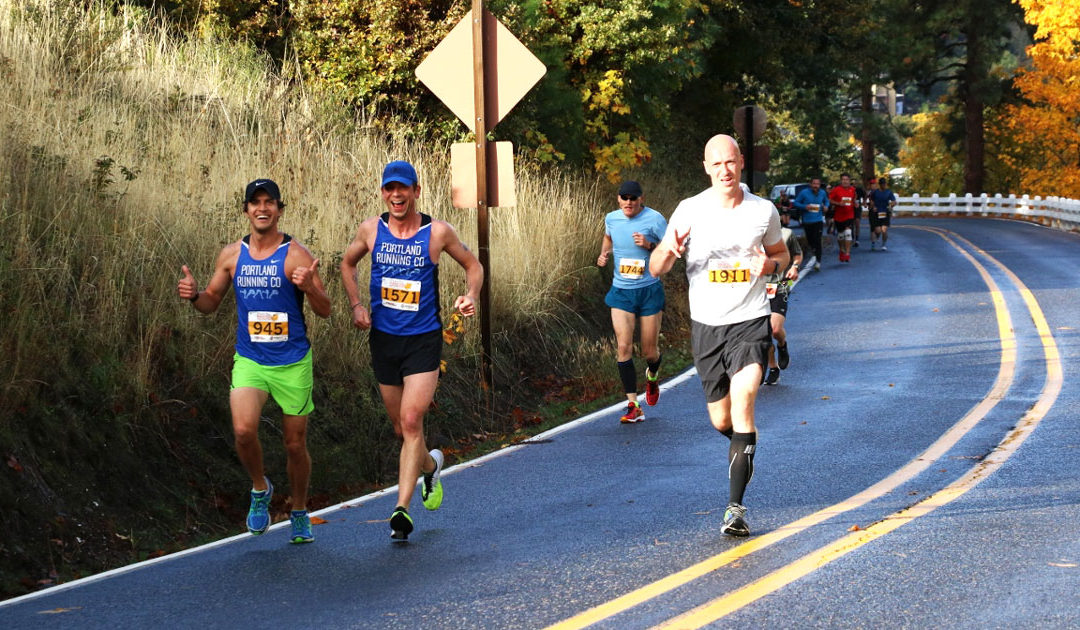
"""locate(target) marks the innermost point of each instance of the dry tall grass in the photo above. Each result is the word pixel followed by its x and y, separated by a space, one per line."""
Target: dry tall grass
pixel 124 150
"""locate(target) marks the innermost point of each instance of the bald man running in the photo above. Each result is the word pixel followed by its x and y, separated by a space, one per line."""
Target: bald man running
pixel 731 241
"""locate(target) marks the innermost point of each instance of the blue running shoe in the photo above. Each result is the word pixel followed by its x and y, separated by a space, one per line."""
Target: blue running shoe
pixel 301 527
pixel 258 520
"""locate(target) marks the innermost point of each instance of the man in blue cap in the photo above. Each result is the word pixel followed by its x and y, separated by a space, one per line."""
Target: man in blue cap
pixel 631 233
pixel 272 273
pixel 405 324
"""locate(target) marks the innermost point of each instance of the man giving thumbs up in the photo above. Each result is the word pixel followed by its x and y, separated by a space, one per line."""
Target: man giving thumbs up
pixel 272 273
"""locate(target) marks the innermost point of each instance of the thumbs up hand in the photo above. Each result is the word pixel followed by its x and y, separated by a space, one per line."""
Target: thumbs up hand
pixel 303 277
pixel 187 287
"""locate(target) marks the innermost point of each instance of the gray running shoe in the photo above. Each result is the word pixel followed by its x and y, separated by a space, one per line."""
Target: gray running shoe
pixel 735 521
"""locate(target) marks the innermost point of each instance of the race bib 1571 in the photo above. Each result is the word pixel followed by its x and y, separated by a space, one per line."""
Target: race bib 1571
pixel 402 295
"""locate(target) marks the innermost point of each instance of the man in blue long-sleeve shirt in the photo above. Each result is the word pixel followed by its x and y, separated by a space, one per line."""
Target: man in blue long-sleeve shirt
pixel 812 202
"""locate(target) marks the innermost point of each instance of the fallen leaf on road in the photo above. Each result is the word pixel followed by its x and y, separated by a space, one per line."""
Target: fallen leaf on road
pixel 855 528
pixel 935 310
pixel 913 493
pixel 379 520
pixel 892 385
pixel 55 611
pixel 315 520
pixel 1065 328
pixel 1064 565
pixel 656 541
pixel 824 397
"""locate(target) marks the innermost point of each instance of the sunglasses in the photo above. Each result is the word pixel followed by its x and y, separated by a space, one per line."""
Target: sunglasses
pixel 628 197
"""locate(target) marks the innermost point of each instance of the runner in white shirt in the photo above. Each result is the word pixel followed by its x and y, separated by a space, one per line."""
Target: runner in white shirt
pixel 731 241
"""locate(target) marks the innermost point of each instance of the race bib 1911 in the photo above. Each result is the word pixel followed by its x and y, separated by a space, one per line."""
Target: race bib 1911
pixel 725 272
pixel 632 268
pixel 401 295
pixel 268 326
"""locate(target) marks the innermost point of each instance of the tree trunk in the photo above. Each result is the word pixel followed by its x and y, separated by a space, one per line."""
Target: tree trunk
pixel 974 75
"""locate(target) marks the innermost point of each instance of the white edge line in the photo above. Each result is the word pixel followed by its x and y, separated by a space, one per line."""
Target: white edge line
pixel 678 380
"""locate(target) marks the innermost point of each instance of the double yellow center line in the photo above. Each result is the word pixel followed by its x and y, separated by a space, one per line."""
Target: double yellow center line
pixel 724 605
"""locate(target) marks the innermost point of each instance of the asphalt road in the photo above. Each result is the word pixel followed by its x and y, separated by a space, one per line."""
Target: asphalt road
pixel 918 465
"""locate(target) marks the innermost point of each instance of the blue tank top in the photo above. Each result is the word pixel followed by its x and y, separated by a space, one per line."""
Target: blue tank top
pixel 404 281
pixel 270 326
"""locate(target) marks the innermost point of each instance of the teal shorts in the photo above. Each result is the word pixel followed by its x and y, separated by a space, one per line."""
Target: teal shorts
pixel 290 385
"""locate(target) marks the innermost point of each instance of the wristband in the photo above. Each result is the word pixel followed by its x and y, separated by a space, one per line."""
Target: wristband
pixel 195 298
pixel 357 304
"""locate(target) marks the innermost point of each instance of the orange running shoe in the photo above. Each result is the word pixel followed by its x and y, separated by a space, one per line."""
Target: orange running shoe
pixel 633 414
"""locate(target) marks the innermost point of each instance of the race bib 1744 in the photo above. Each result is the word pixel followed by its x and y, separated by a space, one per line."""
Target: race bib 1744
pixel 268 326
pixel 632 268
pixel 401 295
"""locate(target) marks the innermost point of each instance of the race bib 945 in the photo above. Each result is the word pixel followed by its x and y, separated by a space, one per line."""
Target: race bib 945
pixel 268 326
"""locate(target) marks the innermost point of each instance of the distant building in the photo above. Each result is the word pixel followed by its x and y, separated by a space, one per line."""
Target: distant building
pixel 886 100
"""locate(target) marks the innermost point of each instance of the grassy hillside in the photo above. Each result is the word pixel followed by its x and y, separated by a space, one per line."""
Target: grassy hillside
pixel 124 149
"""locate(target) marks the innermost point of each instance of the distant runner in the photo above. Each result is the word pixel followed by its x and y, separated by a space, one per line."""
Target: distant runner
pixel 731 241
pixel 842 201
pixel 631 233
pixel 812 203
pixel 272 273
pixel 778 288
pixel 406 328
pixel 883 201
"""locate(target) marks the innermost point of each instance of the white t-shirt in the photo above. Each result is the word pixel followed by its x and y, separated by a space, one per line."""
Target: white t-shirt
pixel 721 246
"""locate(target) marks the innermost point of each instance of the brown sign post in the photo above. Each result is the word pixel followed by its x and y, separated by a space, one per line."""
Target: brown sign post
pixel 481 52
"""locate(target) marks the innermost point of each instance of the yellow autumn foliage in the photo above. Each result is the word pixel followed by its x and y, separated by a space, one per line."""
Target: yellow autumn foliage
pixel 1047 126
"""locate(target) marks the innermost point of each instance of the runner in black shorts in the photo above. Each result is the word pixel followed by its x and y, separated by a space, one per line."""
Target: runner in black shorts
pixel 731 241
pixel 406 329
pixel 882 201
pixel 778 289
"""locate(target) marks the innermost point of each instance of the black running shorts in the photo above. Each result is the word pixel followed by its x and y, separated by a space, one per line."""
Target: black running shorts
pixel 721 351
pixel 393 357
pixel 778 303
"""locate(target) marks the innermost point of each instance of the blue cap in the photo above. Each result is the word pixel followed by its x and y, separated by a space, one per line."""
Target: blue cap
pixel 399 171
pixel 265 185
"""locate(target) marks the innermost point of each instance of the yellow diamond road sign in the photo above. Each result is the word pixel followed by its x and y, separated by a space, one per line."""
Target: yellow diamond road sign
pixel 510 71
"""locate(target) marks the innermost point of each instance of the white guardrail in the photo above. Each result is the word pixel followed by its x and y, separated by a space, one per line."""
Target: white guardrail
pixel 1056 212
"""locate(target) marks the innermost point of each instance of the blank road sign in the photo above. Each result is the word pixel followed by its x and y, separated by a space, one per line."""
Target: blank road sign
pixel 510 71
pixel 500 175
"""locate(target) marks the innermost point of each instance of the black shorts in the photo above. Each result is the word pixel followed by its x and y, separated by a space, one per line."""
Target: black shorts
pixel 876 222
pixel 393 357
pixel 778 303
pixel 721 351
pixel 845 225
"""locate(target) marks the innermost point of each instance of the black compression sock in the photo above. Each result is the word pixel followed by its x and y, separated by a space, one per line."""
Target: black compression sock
pixel 653 367
pixel 727 433
pixel 741 463
pixel 628 375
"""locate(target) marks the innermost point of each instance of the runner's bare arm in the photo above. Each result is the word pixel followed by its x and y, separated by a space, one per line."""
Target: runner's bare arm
pixel 356 250
pixel 208 299
pixel 663 257
pixel 776 253
pixel 303 270
pixel 474 271
pixel 605 250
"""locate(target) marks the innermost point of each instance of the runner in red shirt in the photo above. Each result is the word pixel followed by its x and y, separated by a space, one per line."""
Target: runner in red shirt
pixel 842 200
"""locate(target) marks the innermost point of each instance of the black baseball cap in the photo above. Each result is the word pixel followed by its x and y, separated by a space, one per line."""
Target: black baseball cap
pixel 266 185
pixel 630 188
